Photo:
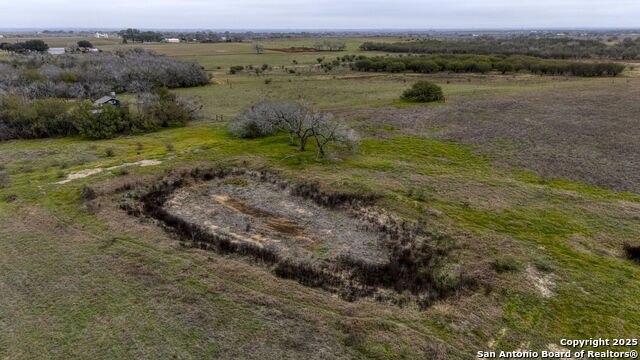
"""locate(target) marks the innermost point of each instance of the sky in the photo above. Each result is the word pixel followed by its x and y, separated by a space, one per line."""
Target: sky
pixel 320 14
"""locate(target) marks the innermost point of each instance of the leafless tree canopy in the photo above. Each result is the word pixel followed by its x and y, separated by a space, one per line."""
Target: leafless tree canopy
pixel 299 122
pixel 94 75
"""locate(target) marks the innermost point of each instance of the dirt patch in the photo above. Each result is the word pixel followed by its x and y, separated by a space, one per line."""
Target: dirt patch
pixel 265 214
pixel 336 241
pixel 543 283
pixel 88 172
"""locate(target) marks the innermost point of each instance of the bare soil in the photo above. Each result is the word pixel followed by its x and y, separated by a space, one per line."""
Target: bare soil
pixel 263 214
pixel 336 241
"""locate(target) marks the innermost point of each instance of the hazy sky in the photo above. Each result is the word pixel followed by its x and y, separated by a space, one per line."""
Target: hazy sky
pixel 325 14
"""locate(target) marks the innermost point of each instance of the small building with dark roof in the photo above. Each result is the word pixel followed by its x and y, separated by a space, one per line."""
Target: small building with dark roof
pixel 107 100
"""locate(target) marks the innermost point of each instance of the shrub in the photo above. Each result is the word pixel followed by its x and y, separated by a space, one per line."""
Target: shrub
pixel 105 122
pixel 85 44
pixel 505 67
pixel 68 77
pixel 423 91
pixel 506 264
pixel 22 118
pixel 88 193
pixel 161 108
pixel 256 121
pixel 236 68
pixel 395 66
pixel 632 252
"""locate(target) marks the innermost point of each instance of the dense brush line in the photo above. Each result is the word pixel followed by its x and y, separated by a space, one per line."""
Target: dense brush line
pixel 556 48
pixel 484 63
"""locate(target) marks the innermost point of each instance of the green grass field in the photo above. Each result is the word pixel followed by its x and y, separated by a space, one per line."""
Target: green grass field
pixel 92 283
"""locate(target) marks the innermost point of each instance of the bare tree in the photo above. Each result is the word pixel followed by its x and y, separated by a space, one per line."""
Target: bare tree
pixel 259 48
pixel 300 122
pixel 333 130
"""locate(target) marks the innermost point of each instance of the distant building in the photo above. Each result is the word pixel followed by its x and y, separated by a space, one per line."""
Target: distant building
pixel 1 36
pixel 101 35
pixel 111 99
pixel 56 51
pixel 172 40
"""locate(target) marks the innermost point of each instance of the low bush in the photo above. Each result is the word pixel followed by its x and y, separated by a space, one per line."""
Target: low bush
pixel 161 108
pixel 105 122
pixel 506 264
pixel 236 68
pixel 256 121
pixel 88 193
pixel 423 91
pixel 632 252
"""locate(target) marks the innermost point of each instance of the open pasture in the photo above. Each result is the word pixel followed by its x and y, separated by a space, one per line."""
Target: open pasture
pixel 501 176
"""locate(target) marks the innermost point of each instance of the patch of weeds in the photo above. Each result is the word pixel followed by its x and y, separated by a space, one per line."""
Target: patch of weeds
pixel 106 243
pixel 401 104
pixel 380 127
pixel 353 340
pixel 139 148
pixel 88 193
pixel 506 263
pixel 122 171
pixel 26 169
pixel 10 198
pixel 360 118
pixel 5 182
pixel 320 251
pixel 418 194
pixel 109 152
pixel 543 266
pixel 236 180
pixel 169 147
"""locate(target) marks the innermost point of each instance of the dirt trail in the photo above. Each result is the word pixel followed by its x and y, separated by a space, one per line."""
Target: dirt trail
pixel 88 172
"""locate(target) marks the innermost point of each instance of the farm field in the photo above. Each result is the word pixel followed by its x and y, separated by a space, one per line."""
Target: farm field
pixel 531 183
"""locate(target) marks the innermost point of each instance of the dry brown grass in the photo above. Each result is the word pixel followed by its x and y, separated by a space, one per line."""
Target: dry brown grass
pixel 589 132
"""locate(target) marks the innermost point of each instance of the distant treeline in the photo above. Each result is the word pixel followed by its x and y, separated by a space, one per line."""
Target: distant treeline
pixel 484 64
pixel 90 76
pixel 134 35
pixel 555 48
